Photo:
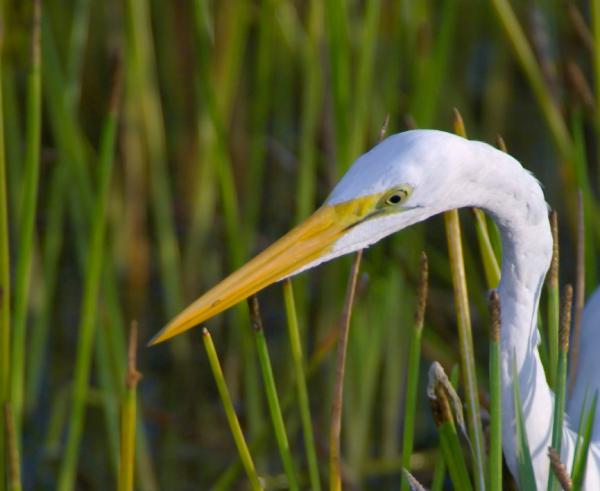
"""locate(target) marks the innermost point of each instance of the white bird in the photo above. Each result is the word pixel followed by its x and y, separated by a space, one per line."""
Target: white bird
pixel 404 180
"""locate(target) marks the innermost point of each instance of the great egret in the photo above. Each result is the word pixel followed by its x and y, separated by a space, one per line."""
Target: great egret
pixel 404 180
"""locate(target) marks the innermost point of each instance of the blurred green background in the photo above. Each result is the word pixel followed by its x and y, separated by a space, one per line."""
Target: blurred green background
pixel 234 121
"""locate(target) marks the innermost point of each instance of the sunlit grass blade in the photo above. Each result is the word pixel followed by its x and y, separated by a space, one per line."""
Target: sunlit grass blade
pixel 232 419
pixel 526 476
pixel 335 430
pixel 444 421
pixel 26 223
pixel 463 315
pixel 302 391
pixel 561 376
pixel 89 304
pixel 128 417
pixel 272 397
pixel 414 359
pixel 584 436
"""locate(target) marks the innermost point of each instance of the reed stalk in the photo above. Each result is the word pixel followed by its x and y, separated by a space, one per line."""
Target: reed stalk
pixel 301 387
pixel 89 304
pixel 234 424
pixel 26 223
pixel 271 393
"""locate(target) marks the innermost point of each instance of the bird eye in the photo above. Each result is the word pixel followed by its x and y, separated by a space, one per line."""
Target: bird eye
pixel 397 196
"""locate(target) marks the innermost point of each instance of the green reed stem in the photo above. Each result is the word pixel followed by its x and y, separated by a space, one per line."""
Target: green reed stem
pixel 271 393
pixel 412 375
pixel 302 391
pixel 561 377
pixel 495 449
pixel 26 227
pixel 89 302
pixel 234 424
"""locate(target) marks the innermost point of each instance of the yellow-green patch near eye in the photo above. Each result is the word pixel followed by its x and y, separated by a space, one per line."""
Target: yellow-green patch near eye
pixel 395 196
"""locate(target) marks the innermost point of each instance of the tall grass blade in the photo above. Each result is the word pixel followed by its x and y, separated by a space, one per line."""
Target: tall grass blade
pixel 89 302
pixel 272 397
pixel 26 225
pixel 232 419
pixel 302 390
pixel 463 315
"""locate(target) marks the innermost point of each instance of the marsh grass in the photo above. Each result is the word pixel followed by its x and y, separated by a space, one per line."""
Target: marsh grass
pixel 236 117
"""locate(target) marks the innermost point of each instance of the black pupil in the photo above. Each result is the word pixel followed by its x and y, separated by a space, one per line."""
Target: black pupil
pixel 394 199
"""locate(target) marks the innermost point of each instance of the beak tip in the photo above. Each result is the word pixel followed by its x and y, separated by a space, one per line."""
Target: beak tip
pixel 156 339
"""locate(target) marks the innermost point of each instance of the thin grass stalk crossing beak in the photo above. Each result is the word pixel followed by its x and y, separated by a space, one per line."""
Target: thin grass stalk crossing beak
pixel 298 248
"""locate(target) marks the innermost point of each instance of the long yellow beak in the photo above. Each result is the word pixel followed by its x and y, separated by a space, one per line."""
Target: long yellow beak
pixel 299 247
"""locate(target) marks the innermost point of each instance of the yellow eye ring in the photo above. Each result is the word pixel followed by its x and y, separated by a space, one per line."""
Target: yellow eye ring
pixel 396 196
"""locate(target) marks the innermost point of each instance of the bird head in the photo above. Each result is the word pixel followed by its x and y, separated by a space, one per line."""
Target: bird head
pixel 401 181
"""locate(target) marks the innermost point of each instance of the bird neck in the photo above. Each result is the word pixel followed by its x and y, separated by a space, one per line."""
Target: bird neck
pixel 515 200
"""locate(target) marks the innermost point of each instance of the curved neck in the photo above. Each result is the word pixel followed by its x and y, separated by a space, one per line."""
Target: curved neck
pixel 515 200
